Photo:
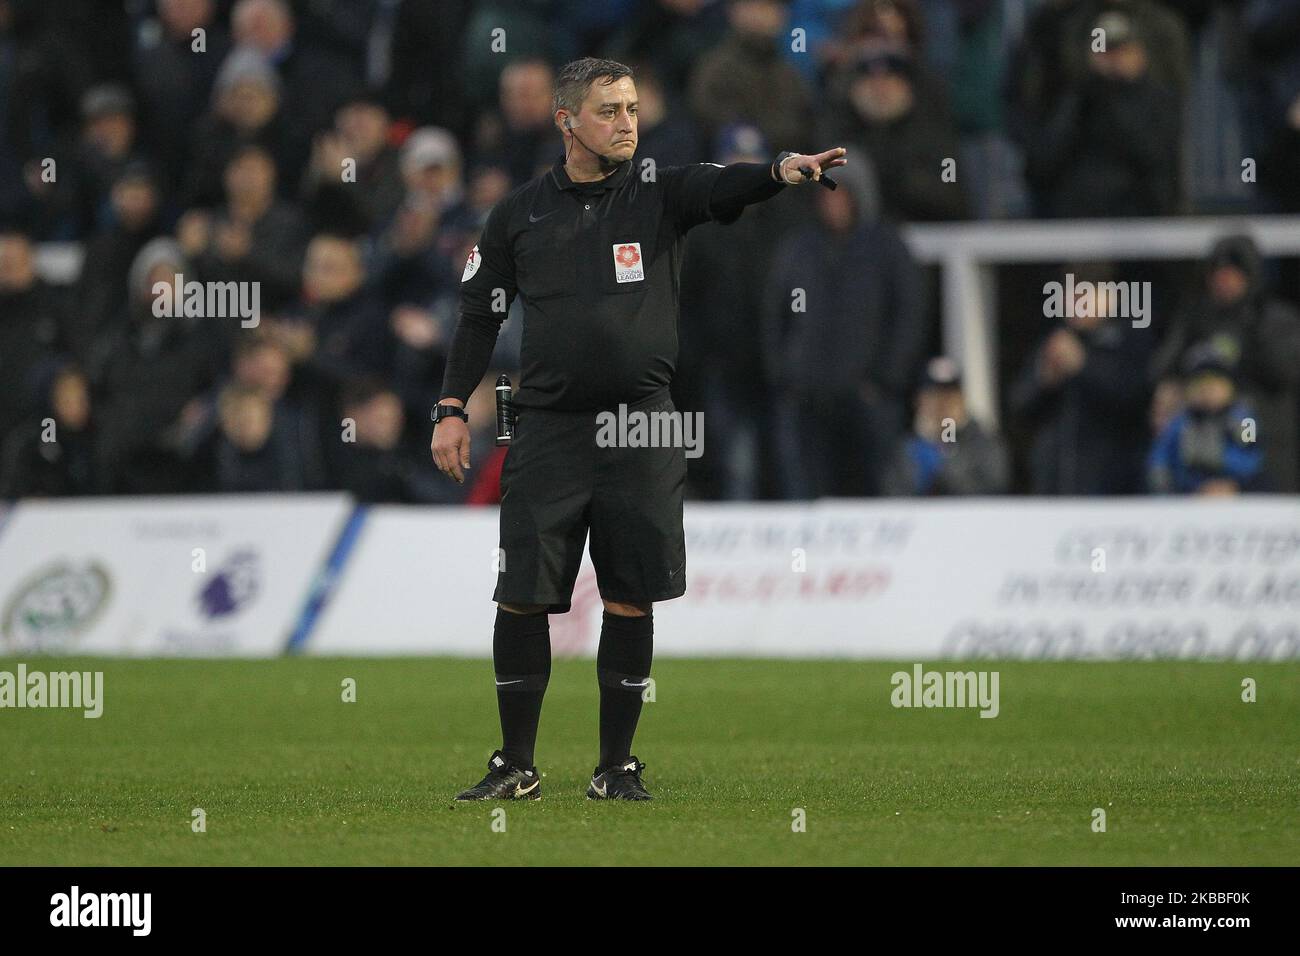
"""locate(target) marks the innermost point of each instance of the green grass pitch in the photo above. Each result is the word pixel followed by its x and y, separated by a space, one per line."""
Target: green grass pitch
pixel 287 773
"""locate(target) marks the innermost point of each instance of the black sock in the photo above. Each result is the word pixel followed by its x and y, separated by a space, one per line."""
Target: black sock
pixel 521 654
pixel 623 669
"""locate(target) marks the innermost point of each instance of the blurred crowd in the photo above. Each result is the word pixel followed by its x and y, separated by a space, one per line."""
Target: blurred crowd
pixel 343 155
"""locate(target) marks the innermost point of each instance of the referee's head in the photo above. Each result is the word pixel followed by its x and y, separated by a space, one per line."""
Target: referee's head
pixel 595 111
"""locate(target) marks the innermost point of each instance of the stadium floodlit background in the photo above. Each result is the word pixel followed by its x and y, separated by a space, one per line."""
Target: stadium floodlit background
pixel 202 486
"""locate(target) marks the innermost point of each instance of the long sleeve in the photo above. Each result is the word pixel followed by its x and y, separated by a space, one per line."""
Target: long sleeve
pixel 740 185
pixel 487 288
pixel 708 192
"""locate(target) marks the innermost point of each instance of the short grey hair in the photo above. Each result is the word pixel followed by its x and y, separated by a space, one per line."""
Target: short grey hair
pixel 575 80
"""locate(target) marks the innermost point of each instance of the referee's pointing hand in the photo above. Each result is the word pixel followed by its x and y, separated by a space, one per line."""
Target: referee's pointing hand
pixel 450 447
pixel 817 162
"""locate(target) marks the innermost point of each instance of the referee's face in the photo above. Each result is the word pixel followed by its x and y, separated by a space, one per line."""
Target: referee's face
pixel 607 120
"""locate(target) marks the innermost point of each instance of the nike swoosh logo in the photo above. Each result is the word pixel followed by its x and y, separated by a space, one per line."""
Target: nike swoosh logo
pixel 532 218
pixel 600 790
pixel 626 683
pixel 524 791
pixel 502 683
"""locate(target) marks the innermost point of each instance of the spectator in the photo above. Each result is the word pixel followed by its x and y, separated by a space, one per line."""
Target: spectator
pixel 30 329
pixel 948 452
pixel 833 29
pixel 314 80
pixel 42 80
pixel 1163 34
pixel 843 336
pixel 101 288
pixel 175 80
pixel 345 318
pixel 175 355
pixel 415 261
pixel 54 455
pixel 254 236
pixel 374 463
pixel 353 183
pixel 1083 394
pixel 1236 312
pixel 746 79
pixel 530 42
pixel 1209 448
pixel 901 123
pixel 522 132
pixel 720 368
pixel 433 175
pixel 1055 54
pixel 108 144
pixel 246 110
pixel 246 453
pixel 263 365
pixel 1110 147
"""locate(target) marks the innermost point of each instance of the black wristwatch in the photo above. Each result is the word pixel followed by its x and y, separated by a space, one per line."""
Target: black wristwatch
pixel 776 166
pixel 447 411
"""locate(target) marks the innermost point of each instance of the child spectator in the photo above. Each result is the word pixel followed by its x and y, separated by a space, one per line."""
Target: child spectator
pixel 948 452
pixel 1210 448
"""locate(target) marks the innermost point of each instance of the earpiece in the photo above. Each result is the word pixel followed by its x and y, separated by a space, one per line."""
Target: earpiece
pixel 605 162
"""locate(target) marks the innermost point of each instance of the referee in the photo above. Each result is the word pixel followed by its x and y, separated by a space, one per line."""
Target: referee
pixel 593 247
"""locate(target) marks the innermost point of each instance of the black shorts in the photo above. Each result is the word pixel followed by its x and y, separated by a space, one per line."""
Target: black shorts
pixel 557 484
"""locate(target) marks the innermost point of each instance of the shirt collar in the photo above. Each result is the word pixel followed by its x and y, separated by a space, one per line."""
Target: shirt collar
pixel 612 181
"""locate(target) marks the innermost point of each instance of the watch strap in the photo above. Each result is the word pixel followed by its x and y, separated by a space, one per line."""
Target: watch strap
pixel 776 166
pixel 447 411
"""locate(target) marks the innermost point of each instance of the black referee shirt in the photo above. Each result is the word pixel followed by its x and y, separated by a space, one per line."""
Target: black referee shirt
pixel 597 266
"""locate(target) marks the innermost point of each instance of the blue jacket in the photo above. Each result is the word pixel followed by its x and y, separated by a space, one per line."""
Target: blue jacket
pixel 1194 449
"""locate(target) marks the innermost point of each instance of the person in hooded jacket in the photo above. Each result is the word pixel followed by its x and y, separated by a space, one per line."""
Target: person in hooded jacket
pixel 884 102
pixel 1111 144
pixel 1235 312
pixel 844 334
pixel 148 368
pixel 720 367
